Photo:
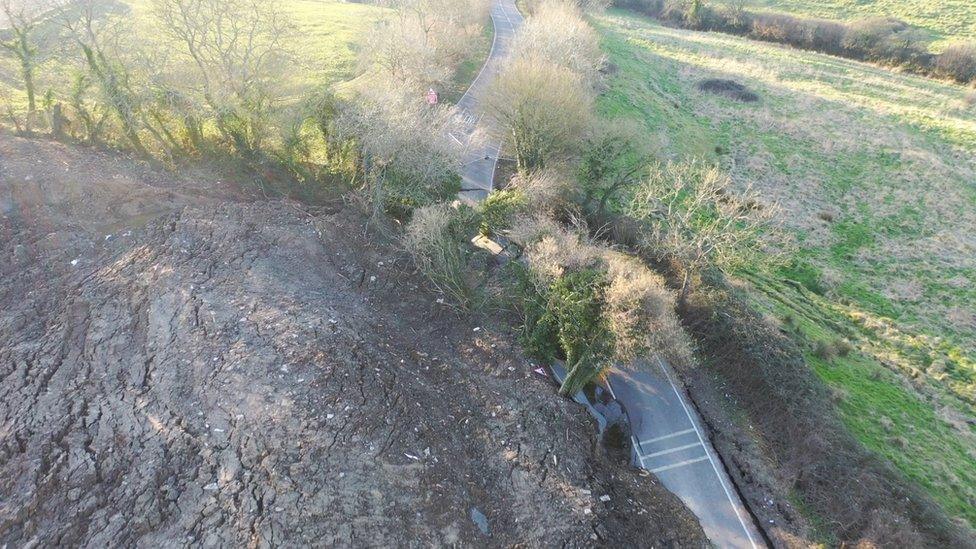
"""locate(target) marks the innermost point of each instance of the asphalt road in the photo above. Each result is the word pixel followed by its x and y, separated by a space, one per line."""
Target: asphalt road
pixel 667 433
pixel 668 441
pixel 480 161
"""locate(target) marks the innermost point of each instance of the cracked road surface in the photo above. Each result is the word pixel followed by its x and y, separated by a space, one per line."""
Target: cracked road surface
pixel 668 441
pixel 479 162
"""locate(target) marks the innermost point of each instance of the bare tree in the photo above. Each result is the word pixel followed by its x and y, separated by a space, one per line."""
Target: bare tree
pixel 238 53
pixel 691 213
pixel 92 114
pixel 426 40
pixel 408 155
pixel 99 38
pixel 614 156
pixel 545 108
pixel 22 20
pixel 558 33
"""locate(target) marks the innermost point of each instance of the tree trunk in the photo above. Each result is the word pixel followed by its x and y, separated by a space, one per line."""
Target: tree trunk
pixel 685 289
pixel 29 86
pixel 114 92
pixel 572 378
pixel 57 122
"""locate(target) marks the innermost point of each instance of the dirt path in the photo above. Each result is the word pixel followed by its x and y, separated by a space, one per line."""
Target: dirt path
pixel 181 368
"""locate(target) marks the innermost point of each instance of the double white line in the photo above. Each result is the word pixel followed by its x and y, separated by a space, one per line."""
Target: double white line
pixel 701 441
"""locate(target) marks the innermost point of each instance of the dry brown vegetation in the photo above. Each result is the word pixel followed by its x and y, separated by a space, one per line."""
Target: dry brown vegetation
pixel 633 312
pixel 543 98
pixel 422 45
pixel 545 109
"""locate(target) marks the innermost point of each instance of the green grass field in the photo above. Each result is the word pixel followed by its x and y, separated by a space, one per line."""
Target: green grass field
pixel 942 20
pixel 876 174
pixel 324 44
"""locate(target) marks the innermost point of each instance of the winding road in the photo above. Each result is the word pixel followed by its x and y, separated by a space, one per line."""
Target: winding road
pixel 478 170
pixel 667 436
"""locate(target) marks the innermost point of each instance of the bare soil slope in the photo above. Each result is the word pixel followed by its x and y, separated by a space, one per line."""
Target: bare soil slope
pixel 180 367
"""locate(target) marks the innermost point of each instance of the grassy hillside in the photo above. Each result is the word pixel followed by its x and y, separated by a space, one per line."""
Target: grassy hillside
pixel 943 20
pixel 876 173
pixel 324 44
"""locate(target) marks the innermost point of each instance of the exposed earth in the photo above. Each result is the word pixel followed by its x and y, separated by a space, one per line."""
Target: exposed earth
pixel 181 365
pixel 728 88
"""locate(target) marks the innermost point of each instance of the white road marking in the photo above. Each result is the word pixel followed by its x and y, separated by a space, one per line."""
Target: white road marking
pixel 708 454
pixel 509 19
pixel 494 39
pixel 492 55
pixel 682 464
pixel 494 168
pixel 673 450
pixel 469 162
pixel 665 437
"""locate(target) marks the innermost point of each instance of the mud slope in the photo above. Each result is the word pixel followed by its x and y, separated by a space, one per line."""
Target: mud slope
pixel 178 368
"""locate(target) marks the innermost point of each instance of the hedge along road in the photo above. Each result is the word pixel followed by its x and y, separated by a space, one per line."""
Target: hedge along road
pixel 667 437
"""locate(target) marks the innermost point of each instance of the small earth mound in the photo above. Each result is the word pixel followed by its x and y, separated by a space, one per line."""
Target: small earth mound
pixel 728 88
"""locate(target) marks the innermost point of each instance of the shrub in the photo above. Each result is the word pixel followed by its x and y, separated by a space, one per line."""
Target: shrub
pixel 690 214
pixel 500 209
pixel 437 241
pixel 821 35
pixel 545 108
pixel 404 172
pixel 652 8
pixel 824 351
pixel 641 311
pixel 674 11
pixel 816 34
pixel 958 62
pixel 879 39
pixel 830 350
pixel 402 192
pixel 594 307
pixel 424 43
pixel 843 347
pixel 773 27
pixel 612 157
pixel 548 192
pixel 733 18
pixel 866 34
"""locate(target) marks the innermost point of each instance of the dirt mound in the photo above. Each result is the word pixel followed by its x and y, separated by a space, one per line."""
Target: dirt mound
pixel 180 369
pixel 728 88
